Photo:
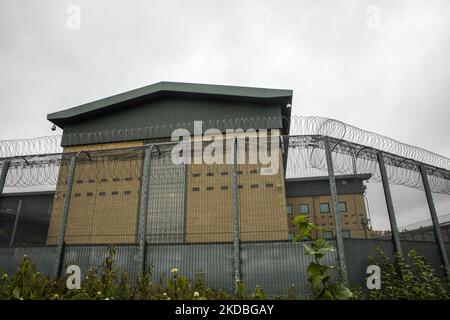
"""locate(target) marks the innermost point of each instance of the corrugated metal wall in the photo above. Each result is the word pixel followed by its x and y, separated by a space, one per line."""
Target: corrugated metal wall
pixel 273 266
pixel 139 122
pixel 429 250
pixel 357 253
pixel 88 256
pixel 42 257
pixel 215 261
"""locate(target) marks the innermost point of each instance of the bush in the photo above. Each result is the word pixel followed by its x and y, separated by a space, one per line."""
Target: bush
pixel 107 283
pixel 400 280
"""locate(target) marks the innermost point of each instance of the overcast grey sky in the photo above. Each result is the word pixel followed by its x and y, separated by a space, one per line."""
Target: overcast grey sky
pixel 389 75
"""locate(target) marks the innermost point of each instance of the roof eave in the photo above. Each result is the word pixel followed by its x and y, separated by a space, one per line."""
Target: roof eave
pixel 59 118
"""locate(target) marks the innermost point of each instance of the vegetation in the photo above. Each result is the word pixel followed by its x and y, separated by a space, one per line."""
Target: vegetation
pixel 320 275
pixel 400 280
pixel 110 284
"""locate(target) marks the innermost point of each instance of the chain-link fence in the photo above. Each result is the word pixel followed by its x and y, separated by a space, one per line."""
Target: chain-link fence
pixel 229 219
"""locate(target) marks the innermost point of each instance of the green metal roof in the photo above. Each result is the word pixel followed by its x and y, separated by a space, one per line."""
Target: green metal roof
pixel 319 186
pixel 161 89
pixel 360 176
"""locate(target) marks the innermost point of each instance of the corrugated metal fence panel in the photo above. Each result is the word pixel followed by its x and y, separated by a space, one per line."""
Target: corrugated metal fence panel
pixel 429 250
pixel 275 267
pixel 357 253
pixel 89 256
pixel 42 257
pixel 213 260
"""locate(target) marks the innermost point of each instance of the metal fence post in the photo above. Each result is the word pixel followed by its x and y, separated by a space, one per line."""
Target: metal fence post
pixel 16 223
pixel 65 215
pixel 3 174
pixel 434 219
pixel 143 207
pixel 389 204
pixel 235 204
pixel 337 216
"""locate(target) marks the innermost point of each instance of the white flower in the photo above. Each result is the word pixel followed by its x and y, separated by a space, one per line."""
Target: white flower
pixel 196 294
pixel 99 292
pixel 164 294
pixel 174 270
pixel 106 298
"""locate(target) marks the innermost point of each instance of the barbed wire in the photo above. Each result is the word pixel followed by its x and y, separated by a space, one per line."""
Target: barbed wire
pixel 354 151
pixel 310 125
pixel 32 146
pixel 307 158
pixel 299 125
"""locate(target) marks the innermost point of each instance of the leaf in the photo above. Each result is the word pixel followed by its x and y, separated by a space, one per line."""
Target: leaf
pixel 314 269
pixel 16 293
pixel 315 281
pixel 300 220
pixel 305 228
pixel 308 250
pixel 322 244
pixel 326 295
pixel 340 291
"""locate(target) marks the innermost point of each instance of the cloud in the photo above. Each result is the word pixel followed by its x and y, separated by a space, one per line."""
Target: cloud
pixel 392 81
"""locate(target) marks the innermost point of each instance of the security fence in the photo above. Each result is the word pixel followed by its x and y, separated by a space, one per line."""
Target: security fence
pixel 230 220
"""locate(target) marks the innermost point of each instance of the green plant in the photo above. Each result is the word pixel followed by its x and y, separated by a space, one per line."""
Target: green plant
pixel 108 283
pixel 407 281
pixel 26 283
pixel 319 275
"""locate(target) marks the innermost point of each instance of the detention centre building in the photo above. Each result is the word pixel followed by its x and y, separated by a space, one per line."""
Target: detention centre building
pixel 189 203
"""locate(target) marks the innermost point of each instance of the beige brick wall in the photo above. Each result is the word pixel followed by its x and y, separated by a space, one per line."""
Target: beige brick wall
pixel 209 210
pixel 102 209
pixel 262 203
pixel 208 215
pixel 350 220
pixel 112 218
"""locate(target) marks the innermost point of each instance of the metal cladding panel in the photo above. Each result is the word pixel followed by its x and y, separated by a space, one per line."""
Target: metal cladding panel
pixel 309 188
pixel 429 250
pixel 164 89
pixel 276 267
pixel 359 250
pixel 93 256
pixel 357 254
pixel 158 119
pixel 42 257
pixel 213 261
